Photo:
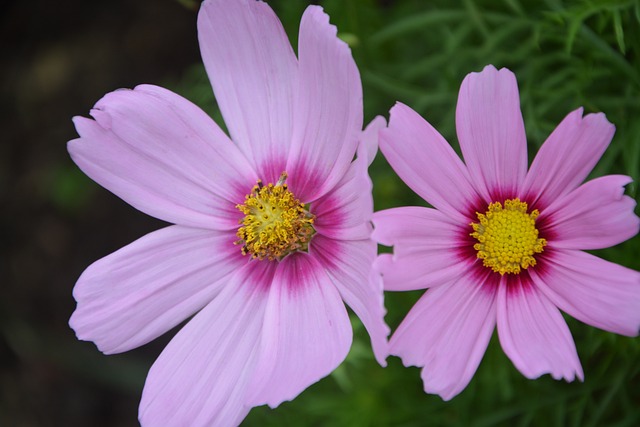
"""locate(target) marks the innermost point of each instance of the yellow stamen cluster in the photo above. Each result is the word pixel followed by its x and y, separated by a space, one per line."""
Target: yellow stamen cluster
pixel 507 237
pixel 275 223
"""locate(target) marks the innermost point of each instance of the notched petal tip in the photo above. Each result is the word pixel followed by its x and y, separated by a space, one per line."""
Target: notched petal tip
pixel 327 109
pixel 447 332
pixel 597 122
pixel 489 72
pixel 534 335
pixel 306 332
pixel 491 68
pixel 317 14
pixel 83 125
pixel 397 109
pixel 316 23
pixel 101 117
pixel 82 329
pixel 567 156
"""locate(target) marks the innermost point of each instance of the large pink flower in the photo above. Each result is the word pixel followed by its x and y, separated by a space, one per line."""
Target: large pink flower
pixel 503 245
pixel 272 231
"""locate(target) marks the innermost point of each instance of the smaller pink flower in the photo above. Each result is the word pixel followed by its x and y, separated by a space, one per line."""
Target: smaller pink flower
pixel 503 246
pixel 271 231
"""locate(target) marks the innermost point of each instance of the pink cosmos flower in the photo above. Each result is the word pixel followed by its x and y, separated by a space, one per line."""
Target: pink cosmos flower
pixel 272 226
pixel 503 246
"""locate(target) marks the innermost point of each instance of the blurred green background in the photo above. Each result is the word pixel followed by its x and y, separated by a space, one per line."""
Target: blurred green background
pixel 59 58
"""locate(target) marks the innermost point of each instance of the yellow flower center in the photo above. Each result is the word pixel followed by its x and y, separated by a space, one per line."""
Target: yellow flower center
pixel 275 223
pixel 507 237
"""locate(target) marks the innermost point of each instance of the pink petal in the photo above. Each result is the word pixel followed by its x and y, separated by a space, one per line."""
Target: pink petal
pixel 345 211
pixel 307 332
pixel 427 248
pixel 164 156
pixel 491 132
pixel 349 267
pixel 368 146
pixel 447 333
pixel 253 71
pixel 201 377
pixel 327 109
pixel 594 291
pixel 146 288
pixel 596 215
pixel 533 333
pixel 567 157
pixel 427 163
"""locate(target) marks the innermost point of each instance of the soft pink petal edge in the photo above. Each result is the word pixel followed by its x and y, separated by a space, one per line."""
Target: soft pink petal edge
pixel 596 215
pixel 154 149
pixel 254 72
pixel 594 291
pixel 306 332
pixel 344 213
pixel 349 265
pixel 491 132
pixel 369 139
pixel 533 333
pixel 427 164
pixel 202 376
pixel 427 248
pixel 446 333
pixel 139 292
pixel 567 157
pixel 327 117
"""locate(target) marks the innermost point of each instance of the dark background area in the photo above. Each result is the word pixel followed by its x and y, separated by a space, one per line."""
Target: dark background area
pixel 58 58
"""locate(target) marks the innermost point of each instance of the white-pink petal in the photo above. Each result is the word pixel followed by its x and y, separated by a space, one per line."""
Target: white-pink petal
pixel 254 73
pixel 428 249
pixel 327 117
pixel 447 332
pixel 491 132
pixel 594 291
pixel 596 215
pixel 146 288
pixel 427 163
pixel 348 264
pixel 306 332
pixel 202 376
pixel 368 146
pixel 345 212
pixel 533 333
pixel 164 156
pixel 567 157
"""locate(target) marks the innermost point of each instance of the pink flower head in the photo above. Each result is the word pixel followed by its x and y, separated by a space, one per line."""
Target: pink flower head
pixel 272 226
pixel 503 245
